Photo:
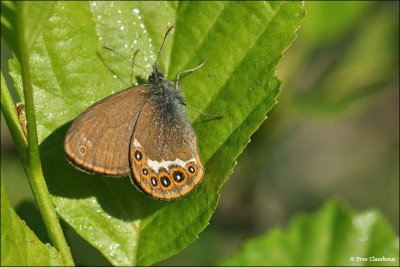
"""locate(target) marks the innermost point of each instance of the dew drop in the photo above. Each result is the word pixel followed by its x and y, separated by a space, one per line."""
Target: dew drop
pixel 122 28
pixel 135 11
pixel 119 11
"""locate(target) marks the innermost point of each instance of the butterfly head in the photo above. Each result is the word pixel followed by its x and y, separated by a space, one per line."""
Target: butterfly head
pixel 163 89
pixel 156 75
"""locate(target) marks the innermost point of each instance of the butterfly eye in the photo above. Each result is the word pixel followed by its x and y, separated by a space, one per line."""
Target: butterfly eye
pixel 178 176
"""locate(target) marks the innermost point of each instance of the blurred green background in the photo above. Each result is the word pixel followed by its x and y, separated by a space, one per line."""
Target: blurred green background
pixel 333 133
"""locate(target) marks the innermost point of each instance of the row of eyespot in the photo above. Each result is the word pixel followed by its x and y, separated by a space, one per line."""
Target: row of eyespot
pixel 178 176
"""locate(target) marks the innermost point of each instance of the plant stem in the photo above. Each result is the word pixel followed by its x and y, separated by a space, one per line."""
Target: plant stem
pixel 33 165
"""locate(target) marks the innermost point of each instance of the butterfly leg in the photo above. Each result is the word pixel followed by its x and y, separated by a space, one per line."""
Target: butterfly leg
pixel 133 64
pixel 204 114
pixel 112 71
pixel 177 88
pixel 186 71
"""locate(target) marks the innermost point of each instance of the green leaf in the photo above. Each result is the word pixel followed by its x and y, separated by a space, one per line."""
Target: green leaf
pixel 19 245
pixel 242 43
pixel 334 236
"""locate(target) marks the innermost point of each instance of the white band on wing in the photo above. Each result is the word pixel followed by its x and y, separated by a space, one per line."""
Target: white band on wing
pixel 156 165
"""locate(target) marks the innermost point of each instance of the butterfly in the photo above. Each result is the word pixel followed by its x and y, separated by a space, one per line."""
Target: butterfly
pixel 141 132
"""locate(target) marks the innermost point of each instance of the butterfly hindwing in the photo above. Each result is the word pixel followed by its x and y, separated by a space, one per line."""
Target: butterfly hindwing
pixel 163 151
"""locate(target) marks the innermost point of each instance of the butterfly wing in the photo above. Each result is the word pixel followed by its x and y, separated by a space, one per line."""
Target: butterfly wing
pixel 98 140
pixel 163 152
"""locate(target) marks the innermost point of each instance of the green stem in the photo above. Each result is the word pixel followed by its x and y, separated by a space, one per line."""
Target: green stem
pixel 33 164
pixel 34 173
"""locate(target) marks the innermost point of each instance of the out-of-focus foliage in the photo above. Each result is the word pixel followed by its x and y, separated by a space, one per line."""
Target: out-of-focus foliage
pixel 334 236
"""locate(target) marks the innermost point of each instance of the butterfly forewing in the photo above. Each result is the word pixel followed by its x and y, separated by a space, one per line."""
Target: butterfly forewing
pixel 98 141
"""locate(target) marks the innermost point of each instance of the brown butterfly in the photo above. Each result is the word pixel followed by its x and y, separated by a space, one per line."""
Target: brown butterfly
pixel 142 132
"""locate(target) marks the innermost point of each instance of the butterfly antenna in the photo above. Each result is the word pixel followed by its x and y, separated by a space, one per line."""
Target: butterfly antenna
pixel 162 45
pixel 123 57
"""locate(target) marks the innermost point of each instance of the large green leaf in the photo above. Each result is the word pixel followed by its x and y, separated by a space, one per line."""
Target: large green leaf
pixel 334 236
pixel 242 43
pixel 19 245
